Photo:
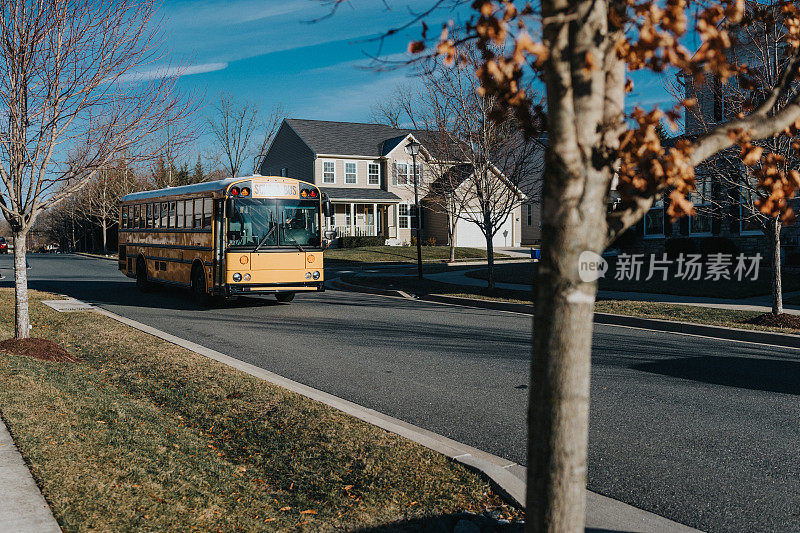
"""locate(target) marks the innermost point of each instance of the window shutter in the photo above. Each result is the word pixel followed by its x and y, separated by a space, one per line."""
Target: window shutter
pixel 684 225
pixel 667 221
pixel 394 173
pixel 733 210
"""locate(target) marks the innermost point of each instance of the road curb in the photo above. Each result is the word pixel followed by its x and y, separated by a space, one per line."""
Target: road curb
pixel 95 256
pixel 785 340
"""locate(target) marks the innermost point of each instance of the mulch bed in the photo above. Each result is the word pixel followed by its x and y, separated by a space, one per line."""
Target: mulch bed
pixel 39 349
pixel 783 320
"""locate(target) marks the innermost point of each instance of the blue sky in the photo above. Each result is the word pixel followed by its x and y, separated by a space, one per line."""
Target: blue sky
pixel 269 52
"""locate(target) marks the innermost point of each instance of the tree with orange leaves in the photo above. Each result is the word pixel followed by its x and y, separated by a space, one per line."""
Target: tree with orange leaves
pixel 582 50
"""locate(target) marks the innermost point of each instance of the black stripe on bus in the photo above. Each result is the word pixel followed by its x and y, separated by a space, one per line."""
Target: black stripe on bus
pixel 164 230
pixel 175 246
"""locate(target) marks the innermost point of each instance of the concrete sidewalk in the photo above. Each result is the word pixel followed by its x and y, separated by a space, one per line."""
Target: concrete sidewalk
pixel 22 507
pixel 759 303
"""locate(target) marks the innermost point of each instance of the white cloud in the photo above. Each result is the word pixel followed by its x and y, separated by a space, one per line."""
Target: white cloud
pixel 168 71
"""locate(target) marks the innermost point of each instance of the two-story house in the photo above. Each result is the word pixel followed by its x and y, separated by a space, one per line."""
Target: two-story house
pixel 366 172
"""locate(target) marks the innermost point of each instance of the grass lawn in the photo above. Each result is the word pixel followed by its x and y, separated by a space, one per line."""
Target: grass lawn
pixel 525 272
pixel 145 435
pixel 662 311
pixel 404 254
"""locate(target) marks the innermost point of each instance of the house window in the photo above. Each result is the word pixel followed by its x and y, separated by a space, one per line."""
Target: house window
pixel 328 172
pixel 700 223
pixel 748 221
pixel 404 215
pixel 402 174
pixel 654 220
pixel 374 174
pixel 530 214
pixel 350 175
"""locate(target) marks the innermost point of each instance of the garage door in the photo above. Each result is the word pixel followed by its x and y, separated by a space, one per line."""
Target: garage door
pixel 468 234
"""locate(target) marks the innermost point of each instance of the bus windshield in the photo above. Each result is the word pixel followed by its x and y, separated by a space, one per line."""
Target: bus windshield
pixel 285 223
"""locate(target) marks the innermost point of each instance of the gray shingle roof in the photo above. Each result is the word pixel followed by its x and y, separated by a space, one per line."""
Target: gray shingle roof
pixel 348 138
pixel 359 194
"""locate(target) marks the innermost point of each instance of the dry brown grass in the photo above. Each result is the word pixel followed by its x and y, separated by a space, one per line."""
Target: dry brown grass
pixel 145 435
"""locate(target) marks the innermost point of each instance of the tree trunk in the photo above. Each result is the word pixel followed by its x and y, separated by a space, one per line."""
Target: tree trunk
pixel 104 225
pixel 487 232
pixel 21 318
pixel 775 242
pixel 584 112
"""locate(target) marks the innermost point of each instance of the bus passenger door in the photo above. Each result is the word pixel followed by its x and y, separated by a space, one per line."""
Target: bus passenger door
pixel 219 245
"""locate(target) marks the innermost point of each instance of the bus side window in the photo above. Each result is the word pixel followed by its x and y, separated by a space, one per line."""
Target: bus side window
pixel 198 213
pixel 136 213
pixel 124 216
pixel 149 216
pixel 188 214
pixel 171 222
pixel 206 213
pixel 157 215
pixel 179 220
pixel 164 213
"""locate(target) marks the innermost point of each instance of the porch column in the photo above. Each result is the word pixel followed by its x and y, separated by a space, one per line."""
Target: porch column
pixel 374 220
pixel 352 220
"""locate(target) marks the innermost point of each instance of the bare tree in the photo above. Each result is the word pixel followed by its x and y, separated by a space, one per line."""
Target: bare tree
pixel 729 188
pixel 103 193
pixel 73 100
pixel 489 160
pixel 268 127
pixel 232 127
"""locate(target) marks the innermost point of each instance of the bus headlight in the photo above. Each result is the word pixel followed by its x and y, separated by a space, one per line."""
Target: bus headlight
pixel 316 274
pixel 308 275
pixel 237 277
pixel 247 277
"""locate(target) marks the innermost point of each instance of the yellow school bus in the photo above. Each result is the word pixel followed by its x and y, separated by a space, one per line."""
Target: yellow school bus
pixel 237 236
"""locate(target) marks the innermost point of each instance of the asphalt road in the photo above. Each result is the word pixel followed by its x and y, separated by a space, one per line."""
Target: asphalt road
pixel 704 432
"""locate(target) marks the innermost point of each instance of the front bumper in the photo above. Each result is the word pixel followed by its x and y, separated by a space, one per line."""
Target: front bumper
pixel 273 288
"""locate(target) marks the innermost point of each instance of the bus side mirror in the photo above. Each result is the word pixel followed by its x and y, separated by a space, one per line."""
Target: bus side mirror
pixel 228 206
pixel 326 208
pixel 331 234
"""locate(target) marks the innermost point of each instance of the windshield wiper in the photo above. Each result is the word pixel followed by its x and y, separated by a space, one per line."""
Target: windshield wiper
pixel 263 240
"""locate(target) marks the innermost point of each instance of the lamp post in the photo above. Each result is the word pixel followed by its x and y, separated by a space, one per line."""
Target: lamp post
pixel 413 150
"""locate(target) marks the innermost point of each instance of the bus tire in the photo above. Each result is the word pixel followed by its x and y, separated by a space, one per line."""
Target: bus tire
pixel 199 292
pixel 285 297
pixel 141 275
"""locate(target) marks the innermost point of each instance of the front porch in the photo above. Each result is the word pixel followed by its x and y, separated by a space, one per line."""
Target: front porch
pixel 363 220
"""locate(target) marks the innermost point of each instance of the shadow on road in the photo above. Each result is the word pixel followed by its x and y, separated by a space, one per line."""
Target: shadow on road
pixel 769 375
pixel 125 293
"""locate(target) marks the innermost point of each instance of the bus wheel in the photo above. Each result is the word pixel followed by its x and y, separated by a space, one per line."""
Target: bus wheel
pixel 199 287
pixel 285 297
pixel 141 275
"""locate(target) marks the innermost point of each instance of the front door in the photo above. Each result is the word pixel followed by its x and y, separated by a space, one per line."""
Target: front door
pixel 219 245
